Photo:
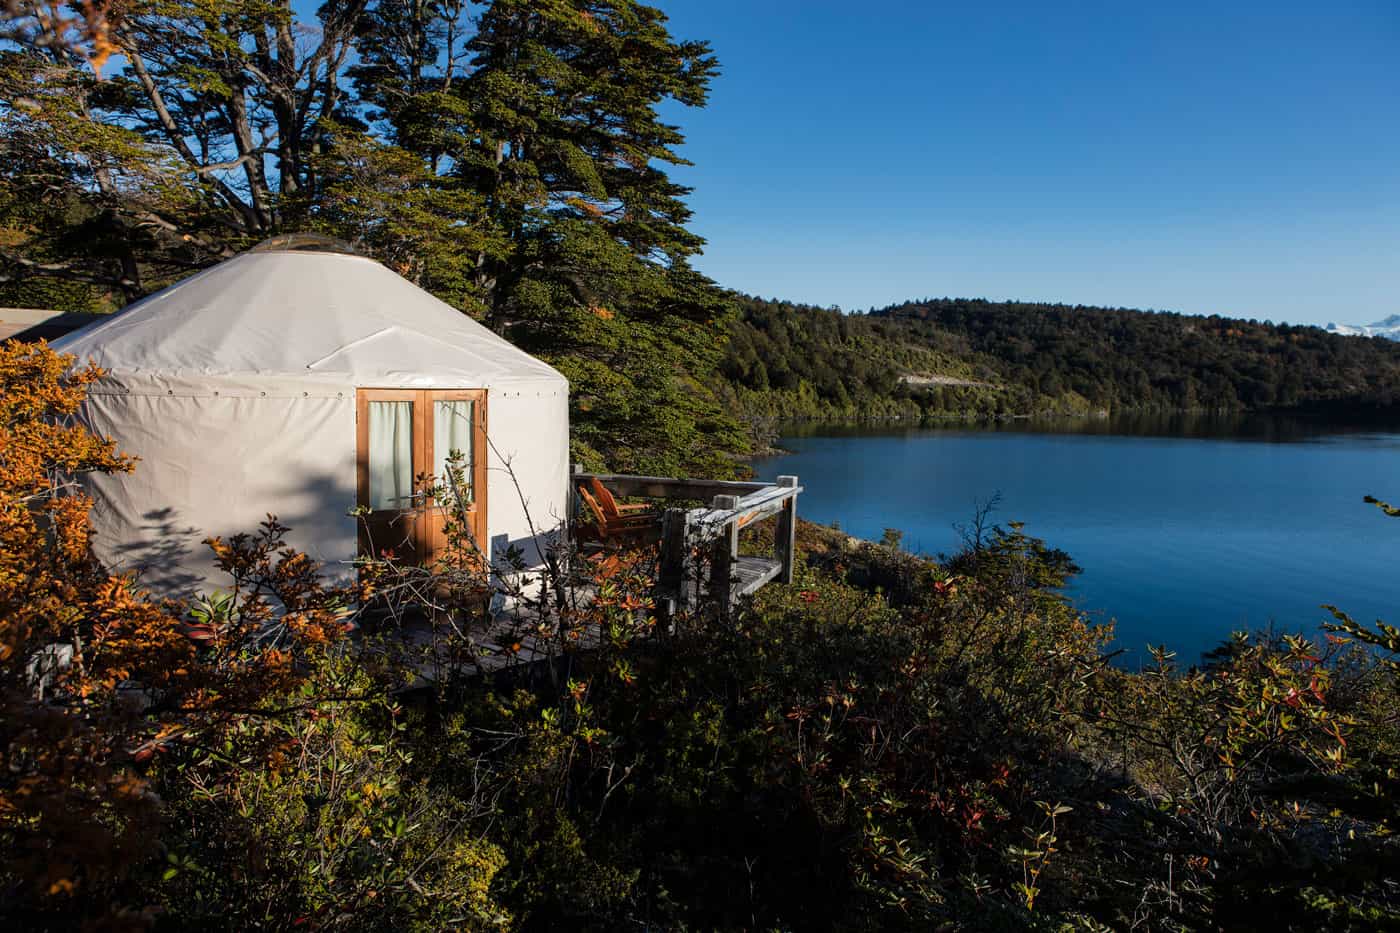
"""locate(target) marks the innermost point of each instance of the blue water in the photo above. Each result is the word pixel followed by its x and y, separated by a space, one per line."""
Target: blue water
pixel 1186 529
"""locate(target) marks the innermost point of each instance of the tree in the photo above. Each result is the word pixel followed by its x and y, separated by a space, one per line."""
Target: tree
pixel 203 143
pixel 85 201
pixel 589 262
pixel 564 96
pixel 83 30
pixel 411 64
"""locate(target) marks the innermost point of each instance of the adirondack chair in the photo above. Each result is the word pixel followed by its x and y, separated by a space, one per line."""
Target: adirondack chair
pixel 610 507
pixel 615 523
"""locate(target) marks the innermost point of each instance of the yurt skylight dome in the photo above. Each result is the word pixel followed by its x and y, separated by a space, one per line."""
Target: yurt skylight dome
pixel 305 243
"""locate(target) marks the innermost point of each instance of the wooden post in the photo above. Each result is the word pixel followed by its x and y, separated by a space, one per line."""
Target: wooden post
pixel 785 537
pixel 575 510
pixel 675 556
pixel 726 555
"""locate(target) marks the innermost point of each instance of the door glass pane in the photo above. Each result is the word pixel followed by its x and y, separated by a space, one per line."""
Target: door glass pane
pixel 452 431
pixel 390 455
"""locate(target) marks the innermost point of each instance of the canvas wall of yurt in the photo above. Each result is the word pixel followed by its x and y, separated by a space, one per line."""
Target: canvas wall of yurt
pixel 302 380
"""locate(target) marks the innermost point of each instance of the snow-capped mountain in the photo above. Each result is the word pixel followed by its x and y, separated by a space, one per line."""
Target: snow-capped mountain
pixel 1389 329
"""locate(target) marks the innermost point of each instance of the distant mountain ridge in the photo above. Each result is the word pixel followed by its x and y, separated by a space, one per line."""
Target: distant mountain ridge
pixel 1389 329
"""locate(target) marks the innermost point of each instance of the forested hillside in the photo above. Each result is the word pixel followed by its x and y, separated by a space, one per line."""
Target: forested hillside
pixel 1015 358
pixel 787 360
pixel 1118 358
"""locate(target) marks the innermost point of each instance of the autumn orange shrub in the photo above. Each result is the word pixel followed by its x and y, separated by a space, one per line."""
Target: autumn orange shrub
pixel 70 638
pixel 96 677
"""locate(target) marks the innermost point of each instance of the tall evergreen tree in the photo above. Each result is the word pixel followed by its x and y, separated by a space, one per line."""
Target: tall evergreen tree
pixel 591 260
pixel 412 61
pixel 216 106
pixel 565 94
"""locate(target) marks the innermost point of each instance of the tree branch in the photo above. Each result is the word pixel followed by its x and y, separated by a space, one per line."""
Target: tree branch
pixel 178 141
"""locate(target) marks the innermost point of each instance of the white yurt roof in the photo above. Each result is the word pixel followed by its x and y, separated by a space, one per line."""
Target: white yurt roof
pixel 292 317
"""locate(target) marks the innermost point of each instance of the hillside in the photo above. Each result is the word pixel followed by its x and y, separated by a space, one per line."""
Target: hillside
pixel 786 361
pixel 977 358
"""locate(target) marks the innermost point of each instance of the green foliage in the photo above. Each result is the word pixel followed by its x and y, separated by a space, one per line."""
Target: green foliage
pixel 1245 778
pixel 586 262
pixel 786 361
pixel 393 206
pixel 636 397
pixel 826 760
pixel 334 831
pixel 887 743
pixel 564 97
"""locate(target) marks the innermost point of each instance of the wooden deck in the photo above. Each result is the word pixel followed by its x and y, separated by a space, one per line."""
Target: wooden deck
pixel 751 573
pixel 440 651
pixel 699 564
pixel 700 557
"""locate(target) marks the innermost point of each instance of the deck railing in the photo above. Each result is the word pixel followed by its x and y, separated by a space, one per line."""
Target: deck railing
pixel 700 544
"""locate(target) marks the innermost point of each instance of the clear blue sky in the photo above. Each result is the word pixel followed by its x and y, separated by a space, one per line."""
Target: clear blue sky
pixel 1239 158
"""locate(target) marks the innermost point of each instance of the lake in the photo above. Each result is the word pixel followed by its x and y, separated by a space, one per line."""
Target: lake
pixel 1186 527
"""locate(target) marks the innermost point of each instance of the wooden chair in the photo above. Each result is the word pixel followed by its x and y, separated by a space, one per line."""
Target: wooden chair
pixel 618 524
pixel 610 507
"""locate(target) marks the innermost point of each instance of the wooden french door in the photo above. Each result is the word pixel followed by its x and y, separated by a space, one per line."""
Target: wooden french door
pixel 404 438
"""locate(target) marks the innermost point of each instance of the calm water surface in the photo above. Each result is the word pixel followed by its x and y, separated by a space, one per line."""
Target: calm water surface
pixel 1187 528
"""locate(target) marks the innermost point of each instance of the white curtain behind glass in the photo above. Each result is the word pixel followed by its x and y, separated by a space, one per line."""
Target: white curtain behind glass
pixel 390 455
pixel 452 430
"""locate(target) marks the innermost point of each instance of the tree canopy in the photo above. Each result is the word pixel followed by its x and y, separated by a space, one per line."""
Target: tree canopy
pixel 508 156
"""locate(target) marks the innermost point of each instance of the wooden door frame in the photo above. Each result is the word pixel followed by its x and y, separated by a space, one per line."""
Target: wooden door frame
pixel 423 451
pixel 365 528
pixel 479 452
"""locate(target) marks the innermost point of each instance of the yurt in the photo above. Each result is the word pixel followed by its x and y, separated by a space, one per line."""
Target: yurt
pixel 303 380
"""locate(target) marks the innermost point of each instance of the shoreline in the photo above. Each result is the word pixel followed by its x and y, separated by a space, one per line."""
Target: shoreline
pixel 769 431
